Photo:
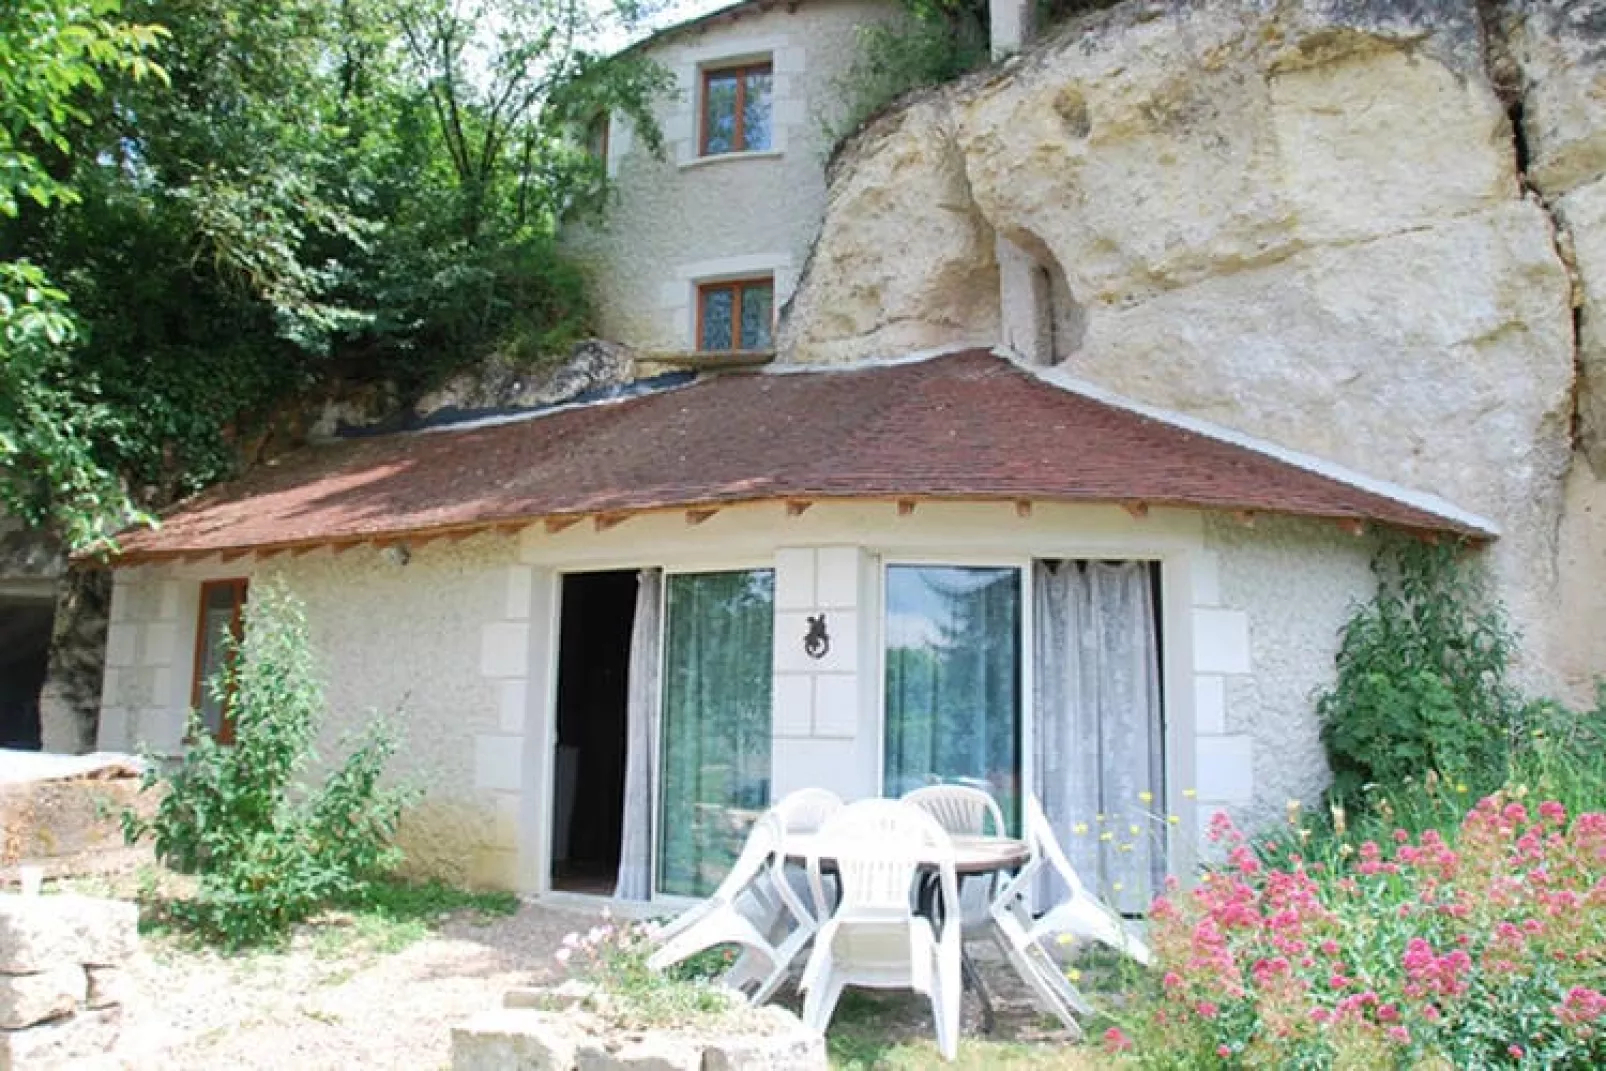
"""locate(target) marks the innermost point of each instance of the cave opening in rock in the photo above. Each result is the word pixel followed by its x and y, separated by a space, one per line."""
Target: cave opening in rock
pixel 25 623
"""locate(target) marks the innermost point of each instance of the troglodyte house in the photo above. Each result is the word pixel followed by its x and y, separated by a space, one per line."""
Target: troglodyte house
pixel 895 513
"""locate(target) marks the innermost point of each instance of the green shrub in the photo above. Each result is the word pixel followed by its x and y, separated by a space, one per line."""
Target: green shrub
pixel 268 849
pixel 937 41
pixel 1421 678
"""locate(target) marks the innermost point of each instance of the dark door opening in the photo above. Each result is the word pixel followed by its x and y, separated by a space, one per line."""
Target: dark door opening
pixel 24 653
pixel 593 692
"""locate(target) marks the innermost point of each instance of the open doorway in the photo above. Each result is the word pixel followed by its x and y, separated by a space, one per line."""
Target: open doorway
pixel 24 654
pixel 593 693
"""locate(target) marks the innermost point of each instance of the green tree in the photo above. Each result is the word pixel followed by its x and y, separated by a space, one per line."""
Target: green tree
pixel 53 55
pixel 316 191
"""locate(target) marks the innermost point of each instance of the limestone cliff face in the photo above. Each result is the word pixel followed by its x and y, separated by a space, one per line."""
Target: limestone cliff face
pixel 1312 220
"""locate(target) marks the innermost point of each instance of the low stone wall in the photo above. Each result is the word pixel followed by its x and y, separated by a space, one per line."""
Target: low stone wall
pixel 62 980
pixel 552 1030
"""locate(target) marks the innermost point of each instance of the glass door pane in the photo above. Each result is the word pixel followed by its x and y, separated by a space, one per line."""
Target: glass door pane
pixel 716 723
pixel 953 693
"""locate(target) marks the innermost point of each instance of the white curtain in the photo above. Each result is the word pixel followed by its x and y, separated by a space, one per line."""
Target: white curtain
pixel 641 715
pixel 1098 742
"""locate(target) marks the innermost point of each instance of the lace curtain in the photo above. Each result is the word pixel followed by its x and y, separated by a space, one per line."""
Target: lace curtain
pixel 1099 746
pixel 641 714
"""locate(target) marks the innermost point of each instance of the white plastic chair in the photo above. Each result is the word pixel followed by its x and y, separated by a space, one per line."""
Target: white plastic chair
pixel 1021 937
pixel 802 812
pixel 745 910
pixel 875 939
pixel 1080 914
pixel 964 811
pixel 799 896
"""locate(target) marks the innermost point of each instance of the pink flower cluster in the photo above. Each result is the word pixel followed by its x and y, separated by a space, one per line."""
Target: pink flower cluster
pixel 1377 949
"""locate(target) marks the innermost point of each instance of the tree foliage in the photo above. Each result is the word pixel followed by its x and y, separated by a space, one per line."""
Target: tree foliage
pixel 311 190
pixel 53 54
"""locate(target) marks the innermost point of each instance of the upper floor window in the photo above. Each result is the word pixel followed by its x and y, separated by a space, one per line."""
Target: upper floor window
pixel 736 109
pixel 735 315
pixel 597 138
pixel 222 618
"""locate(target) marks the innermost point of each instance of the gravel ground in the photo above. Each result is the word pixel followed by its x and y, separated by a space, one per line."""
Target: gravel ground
pixel 324 1004
pixel 307 1009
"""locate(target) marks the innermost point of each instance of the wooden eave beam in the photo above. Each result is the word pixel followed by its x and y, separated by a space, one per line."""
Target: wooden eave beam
pixel 1137 510
pixel 1023 508
pixel 604 521
pixel 554 525
pixel 695 517
pixel 906 506
pixel 796 507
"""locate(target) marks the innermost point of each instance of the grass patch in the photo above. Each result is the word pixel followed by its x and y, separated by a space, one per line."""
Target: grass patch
pixel 395 914
pixel 892 1032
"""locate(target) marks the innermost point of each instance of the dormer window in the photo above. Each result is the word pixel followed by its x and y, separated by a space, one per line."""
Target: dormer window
pixel 735 315
pixel 736 109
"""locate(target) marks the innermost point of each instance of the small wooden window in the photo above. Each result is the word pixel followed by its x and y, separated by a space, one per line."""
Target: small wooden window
pixel 736 109
pixel 222 615
pixel 736 315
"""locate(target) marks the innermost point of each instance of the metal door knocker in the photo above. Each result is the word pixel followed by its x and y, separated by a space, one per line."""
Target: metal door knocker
pixel 815 642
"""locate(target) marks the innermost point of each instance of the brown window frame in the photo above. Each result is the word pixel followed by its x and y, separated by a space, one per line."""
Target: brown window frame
pixel 738 125
pixel 597 138
pixel 737 287
pixel 242 588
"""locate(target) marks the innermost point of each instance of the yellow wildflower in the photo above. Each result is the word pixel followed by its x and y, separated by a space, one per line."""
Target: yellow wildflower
pixel 1133 829
pixel 1174 819
pixel 1074 975
pixel 1106 835
pixel 1065 939
pixel 1146 797
pixel 1189 793
pixel 1079 828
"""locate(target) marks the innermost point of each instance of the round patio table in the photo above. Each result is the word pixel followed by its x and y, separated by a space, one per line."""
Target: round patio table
pixel 974 856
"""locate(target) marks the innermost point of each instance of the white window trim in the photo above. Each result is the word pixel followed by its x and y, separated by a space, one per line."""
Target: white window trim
pixel 737 52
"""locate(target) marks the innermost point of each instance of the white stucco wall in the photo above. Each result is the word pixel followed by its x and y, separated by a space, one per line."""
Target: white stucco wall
pixel 686 218
pixel 426 642
pixel 460 639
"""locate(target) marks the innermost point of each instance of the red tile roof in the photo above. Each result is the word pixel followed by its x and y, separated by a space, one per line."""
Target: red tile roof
pixel 962 426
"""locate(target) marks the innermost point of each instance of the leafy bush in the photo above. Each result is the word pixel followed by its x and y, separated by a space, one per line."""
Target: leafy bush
pixel 1421 678
pixel 937 41
pixel 269 850
pixel 1482 948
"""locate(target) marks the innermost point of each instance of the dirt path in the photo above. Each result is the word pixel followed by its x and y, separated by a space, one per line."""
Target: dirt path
pixel 314 1007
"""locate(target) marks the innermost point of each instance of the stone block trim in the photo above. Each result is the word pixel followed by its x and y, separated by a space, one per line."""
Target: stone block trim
pixel 38 933
pixel 530 1033
pixel 27 999
pixel 62 986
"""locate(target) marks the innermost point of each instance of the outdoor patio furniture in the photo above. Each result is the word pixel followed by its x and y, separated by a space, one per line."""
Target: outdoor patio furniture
pixel 1021 937
pixel 875 938
pixel 964 811
pixel 749 906
pixel 802 812
pixel 1080 914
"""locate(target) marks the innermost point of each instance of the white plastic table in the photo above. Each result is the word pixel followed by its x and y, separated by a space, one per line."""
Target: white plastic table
pixel 973 857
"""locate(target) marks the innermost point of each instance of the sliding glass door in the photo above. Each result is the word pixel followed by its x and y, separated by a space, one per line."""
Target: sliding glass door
pixel 718 652
pixel 953 679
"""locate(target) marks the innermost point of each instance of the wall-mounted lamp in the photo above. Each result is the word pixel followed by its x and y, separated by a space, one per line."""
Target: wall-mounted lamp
pixel 816 643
